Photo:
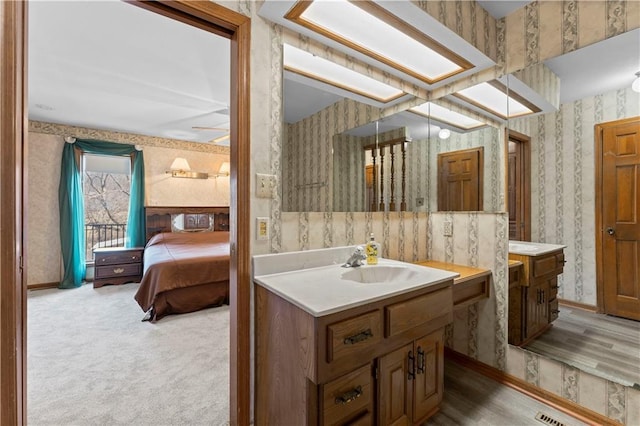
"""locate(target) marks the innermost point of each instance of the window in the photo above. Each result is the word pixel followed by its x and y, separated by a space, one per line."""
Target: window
pixel 106 186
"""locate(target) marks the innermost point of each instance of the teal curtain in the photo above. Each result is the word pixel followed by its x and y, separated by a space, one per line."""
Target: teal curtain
pixel 71 220
pixel 72 207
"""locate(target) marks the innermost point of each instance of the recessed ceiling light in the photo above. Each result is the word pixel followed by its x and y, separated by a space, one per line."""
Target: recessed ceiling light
pixel 444 133
pixel 492 97
pixel 374 31
pixel 311 66
pixel 444 115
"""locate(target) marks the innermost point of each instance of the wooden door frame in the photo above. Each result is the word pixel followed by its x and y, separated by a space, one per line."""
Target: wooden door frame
pixel 524 142
pixel 13 134
pixel 598 133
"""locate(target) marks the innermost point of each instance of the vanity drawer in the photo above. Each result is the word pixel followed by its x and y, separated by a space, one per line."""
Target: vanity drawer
pixel 406 315
pixel 348 399
pixel 550 264
pixel 356 335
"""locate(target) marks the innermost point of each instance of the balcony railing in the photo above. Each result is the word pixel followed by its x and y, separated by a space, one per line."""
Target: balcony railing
pixel 103 235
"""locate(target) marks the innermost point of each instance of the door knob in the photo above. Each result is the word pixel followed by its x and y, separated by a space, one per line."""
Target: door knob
pixel 611 231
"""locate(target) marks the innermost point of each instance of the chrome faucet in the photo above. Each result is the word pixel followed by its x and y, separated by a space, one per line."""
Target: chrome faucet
pixel 356 258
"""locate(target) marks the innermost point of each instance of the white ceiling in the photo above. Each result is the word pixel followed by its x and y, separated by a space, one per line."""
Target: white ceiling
pixel 111 65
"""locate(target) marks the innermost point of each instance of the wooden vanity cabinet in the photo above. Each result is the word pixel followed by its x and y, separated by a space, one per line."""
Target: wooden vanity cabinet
pixel 533 303
pixel 379 363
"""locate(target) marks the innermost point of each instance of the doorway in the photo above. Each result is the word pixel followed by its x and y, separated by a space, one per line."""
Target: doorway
pixel 460 180
pixel 519 186
pixel 618 217
pixel 13 130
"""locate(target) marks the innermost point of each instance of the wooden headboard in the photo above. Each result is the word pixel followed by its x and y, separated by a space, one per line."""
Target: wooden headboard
pixel 159 218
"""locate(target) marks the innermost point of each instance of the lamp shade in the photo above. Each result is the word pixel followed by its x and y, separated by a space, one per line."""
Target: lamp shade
pixel 180 164
pixel 225 169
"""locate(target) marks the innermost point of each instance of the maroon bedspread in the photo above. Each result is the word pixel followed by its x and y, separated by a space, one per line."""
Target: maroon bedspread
pixel 179 260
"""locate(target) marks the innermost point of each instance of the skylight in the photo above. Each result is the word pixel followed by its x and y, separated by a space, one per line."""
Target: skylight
pixel 446 116
pixel 377 33
pixel 492 97
pixel 309 65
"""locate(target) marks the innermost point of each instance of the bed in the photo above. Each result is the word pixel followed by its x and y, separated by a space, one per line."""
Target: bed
pixel 186 269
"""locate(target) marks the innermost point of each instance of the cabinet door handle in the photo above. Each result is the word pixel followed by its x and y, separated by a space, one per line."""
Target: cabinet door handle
pixel 555 287
pixel 411 368
pixel 420 360
pixel 349 396
pixel 555 311
pixel 356 338
pixel 118 270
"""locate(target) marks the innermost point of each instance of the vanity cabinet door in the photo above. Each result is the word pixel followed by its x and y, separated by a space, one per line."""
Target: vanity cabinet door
pixel 396 372
pixel 429 377
pixel 410 383
pixel 537 310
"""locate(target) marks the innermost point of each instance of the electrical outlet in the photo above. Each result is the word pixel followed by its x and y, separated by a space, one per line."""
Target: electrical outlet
pixel 419 202
pixel 448 228
pixel 265 185
pixel 262 228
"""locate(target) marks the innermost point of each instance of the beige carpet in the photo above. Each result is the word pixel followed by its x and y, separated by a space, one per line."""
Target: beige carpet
pixel 91 361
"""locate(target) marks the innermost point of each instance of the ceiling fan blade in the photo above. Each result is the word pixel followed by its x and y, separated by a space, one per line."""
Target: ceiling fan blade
pixel 209 128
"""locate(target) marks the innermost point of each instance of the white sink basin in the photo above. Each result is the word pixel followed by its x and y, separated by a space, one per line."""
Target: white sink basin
pixel 377 274
pixel 527 248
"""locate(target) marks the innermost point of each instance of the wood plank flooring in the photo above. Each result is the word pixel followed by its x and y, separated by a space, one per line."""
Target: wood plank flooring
pixel 473 399
pixel 599 344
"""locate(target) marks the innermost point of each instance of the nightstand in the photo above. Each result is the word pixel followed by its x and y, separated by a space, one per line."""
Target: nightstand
pixel 117 265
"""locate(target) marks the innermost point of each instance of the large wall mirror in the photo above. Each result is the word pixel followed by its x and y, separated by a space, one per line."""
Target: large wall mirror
pixel 340 153
pixel 595 87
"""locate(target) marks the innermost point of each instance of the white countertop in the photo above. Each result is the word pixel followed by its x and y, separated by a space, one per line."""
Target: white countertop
pixel 526 248
pixel 323 290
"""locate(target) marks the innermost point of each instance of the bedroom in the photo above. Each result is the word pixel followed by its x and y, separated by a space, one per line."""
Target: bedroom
pixel 61 82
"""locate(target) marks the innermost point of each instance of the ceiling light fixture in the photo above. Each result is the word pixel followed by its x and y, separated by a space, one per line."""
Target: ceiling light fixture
pixel 446 116
pixel 444 133
pixel 180 169
pixel 492 97
pixel 635 86
pixel 374 31
pixel 308 65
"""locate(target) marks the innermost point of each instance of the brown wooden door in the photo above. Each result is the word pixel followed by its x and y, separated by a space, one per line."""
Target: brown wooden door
pixel 429 375
pixel 537 313
pixel 460 180
pixel 620 232
pixel 395 387
pixel 519 187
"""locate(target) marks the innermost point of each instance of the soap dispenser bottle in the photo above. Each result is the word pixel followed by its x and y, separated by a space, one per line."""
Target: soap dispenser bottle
pixel 372 250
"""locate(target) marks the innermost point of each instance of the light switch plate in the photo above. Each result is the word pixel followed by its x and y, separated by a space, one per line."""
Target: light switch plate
pixel 262 228
pixel 265 185
pixel 448 228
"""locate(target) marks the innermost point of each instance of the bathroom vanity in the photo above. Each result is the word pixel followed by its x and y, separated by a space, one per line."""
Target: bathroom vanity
pixel 348 345
pixel 533 288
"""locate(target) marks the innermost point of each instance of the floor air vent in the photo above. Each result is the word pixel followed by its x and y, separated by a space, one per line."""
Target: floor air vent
pixel 548 420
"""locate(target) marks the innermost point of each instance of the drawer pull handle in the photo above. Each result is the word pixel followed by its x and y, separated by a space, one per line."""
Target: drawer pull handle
pixel 118 270
pixel 420 360
pixel 356 338
pixel 411 374
pixel 555 287
pixel 555 311
pixel 349 396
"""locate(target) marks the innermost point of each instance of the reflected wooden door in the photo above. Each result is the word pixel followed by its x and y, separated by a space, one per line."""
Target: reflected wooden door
pixel 460 180
pixel 619 224
pixel 519 187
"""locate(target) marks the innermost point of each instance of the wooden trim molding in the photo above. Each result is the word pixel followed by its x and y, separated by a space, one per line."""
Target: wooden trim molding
pixel 551 399
pixel 13 146
pixel 43 286
pixel 578 305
